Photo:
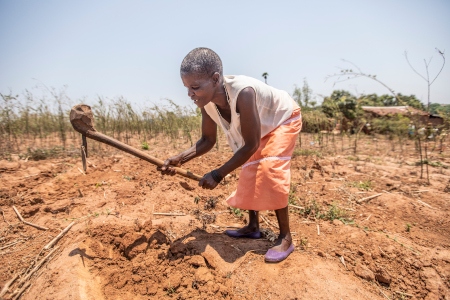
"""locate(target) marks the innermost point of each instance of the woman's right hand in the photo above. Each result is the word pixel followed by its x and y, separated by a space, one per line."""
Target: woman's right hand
pixel 167 167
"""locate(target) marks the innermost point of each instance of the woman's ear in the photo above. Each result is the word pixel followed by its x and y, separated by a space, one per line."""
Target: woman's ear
pixel 216 78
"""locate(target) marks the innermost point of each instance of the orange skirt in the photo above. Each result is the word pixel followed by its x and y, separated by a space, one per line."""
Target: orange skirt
pixel 264 181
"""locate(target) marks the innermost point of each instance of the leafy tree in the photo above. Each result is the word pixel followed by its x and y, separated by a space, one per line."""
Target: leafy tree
pixel 411 101
pixel 340 101
pixel 370 100
pixel 304 97
pixel 436 108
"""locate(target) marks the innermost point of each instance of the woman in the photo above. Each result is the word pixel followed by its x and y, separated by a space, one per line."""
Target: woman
pixel 261 124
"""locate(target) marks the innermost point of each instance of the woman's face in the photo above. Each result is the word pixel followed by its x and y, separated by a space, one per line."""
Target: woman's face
pixel 201 88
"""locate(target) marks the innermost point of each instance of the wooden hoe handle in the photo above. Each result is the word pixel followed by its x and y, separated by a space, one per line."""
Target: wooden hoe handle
pixel 82 121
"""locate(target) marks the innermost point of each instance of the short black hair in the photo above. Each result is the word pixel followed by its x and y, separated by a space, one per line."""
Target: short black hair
pixel 201 61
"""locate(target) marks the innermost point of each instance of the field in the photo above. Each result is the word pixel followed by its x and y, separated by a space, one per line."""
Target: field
pixel 138 235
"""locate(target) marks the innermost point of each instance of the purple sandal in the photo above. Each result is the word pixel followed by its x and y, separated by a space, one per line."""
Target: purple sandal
pixel 236 234
pixel 274 256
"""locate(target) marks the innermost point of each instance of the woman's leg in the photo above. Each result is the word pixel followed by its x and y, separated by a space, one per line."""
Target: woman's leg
pixel 253 223
pixel 284 239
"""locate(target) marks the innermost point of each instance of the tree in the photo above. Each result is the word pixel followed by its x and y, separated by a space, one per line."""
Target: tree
pixel 303 96
pixel 340 101
pixel 265 75
pixel 427 77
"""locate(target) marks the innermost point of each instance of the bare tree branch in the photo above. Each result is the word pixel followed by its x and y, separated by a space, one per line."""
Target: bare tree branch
pixel 407 60
pixel 441 53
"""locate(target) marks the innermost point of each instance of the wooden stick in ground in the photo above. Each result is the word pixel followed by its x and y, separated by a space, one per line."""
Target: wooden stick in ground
pixel 60 235
pixel 23 289
pixel 368 198
pixel 7 285
pixel 28 223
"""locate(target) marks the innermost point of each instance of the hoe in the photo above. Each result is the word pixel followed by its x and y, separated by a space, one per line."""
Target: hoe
pixel 82 121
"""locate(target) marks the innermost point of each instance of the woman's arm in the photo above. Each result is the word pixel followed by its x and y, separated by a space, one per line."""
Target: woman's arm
pixel 251 132
pixel 203 145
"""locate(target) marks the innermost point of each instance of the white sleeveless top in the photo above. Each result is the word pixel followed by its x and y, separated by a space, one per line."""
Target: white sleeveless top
pixel 274 107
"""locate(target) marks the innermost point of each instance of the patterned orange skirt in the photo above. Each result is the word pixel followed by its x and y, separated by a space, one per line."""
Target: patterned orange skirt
pixel 265 179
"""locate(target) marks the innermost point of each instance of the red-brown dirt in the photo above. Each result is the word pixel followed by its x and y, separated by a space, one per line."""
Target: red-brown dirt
pixel 394 246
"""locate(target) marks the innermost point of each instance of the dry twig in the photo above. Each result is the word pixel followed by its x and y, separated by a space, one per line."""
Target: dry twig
pixel 20 292
pixel 268 222
pixel 296 206
pixel 368 198
pixel 1 210
pixel 39 264
pixel 7 285
pixel 404 294
pixel 341 258
pixel 28 223
pixel 426 204
pixel 60 235
pixel 12 244
pixel 168 214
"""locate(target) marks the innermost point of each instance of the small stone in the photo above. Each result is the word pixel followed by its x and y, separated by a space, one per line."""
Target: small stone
pixel 320 253
pixel 363 272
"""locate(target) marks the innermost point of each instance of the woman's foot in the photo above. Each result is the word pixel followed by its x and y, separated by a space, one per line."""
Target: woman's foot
pixel 282 243
pixel 248 231
pixel 283 247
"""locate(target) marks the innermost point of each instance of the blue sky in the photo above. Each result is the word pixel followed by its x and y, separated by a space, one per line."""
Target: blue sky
pixel 134 48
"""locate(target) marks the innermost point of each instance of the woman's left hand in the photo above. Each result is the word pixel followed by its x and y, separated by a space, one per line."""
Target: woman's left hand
pixel 207 182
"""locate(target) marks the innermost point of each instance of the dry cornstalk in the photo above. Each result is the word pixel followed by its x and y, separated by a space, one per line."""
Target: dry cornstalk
pixel 20 292
pixel 296 206
pixel 4 217
pixel 39 264
pixel 9 245
pixel 426 204
pixel 60 235
pixel 81 171
pixel 7 285
pixel 28 223
pixel 383 294
pixel 80 193
pixel 404 294
pixel 341 258
pixel 318 229
pixel 168 214
pixel 268 222
pixel 18 214
pixel 368 198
